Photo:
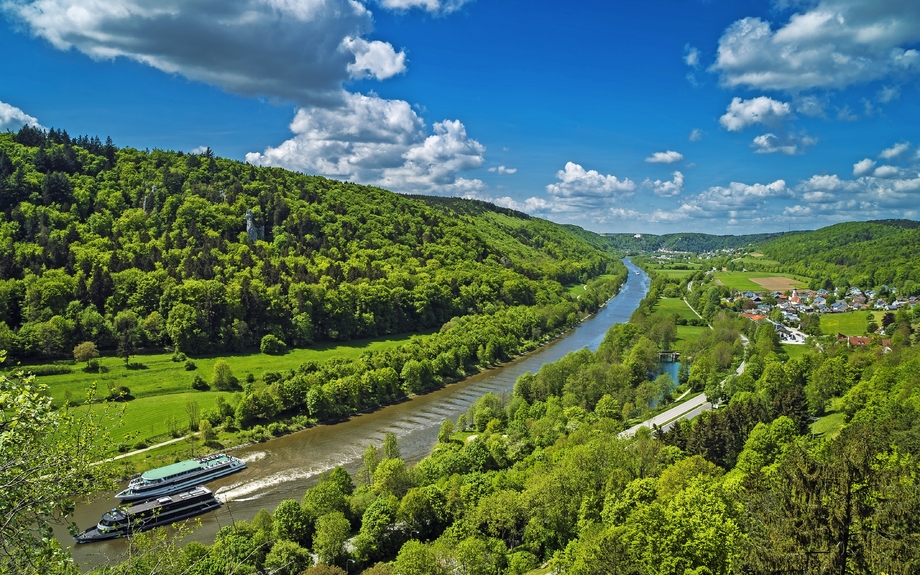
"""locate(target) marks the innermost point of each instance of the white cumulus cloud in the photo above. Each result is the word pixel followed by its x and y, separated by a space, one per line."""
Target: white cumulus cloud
pixel 667 189
pixel 696 135
pixel 12 118
pixel 382 142
pixel 828 44
pixel 291 49
pixel 863 167
pixel 575 181
pixel 761 110
pixel 668 157
pixel 374 59
pixel 738 196
pixel 784 143
pixel 895 150
pixel 886 172
pixel 433 6
pixel 502 170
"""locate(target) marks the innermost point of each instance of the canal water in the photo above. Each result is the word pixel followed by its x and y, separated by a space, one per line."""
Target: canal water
pixel 285 467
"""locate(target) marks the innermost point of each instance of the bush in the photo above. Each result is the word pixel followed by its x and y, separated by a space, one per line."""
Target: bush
pixel 40 370
pixel 190 365
pixel 223 378
pixel 119 393
pixel 178 356
pixel 271 345
pixel 199 383
pixel 270 377
pixel 250 378
pixel 207 431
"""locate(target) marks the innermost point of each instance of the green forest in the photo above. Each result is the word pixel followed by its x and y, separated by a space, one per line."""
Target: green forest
pixel 135 249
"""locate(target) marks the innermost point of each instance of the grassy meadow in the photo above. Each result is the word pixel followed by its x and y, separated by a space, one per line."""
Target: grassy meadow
pixel 668 306
pixel 679 274
pixel 161 388
pixel 832 422
pixel 144 419
pixel 672 305
pixel 756 259
pixel 579 288
pixel 849 323
pixel 157 375
pixel 687 333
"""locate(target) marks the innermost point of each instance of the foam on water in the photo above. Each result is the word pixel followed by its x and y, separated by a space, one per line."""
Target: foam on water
pixel 240 491
pixel 254 456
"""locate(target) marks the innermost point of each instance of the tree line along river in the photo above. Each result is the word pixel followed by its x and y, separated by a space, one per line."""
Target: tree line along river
pixel 285 467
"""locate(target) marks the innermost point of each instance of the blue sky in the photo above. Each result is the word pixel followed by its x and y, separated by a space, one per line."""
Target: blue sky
pixel 719 116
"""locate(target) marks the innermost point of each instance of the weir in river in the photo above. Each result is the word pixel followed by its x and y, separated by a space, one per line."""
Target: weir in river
pixel 285 467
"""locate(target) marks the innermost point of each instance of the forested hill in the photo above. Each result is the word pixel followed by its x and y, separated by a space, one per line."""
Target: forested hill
pixel 687 242
pixel 210 254
pixel 861 254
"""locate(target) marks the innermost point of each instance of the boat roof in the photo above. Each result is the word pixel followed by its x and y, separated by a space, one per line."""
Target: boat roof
pixel 183 466
pixel 163 500
pixel 169 470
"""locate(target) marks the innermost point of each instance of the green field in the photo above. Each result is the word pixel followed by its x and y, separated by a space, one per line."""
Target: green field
pixel 578 289
pixel 795 351
pixel 688 333
pixel 145 418
pixel 672 305
pixel 847 323
pixel 756 261
pixel 742 280
pixel 157 375
pixel 831 424
pixel 680 274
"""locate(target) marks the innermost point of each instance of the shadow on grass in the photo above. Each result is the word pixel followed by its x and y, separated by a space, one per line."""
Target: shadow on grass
pixel 137 365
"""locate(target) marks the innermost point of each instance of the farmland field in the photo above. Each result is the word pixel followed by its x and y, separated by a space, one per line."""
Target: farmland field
pixel 759 281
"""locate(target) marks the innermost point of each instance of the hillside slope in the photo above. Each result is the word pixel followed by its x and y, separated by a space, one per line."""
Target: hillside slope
pixel 209 254
pixel 863 254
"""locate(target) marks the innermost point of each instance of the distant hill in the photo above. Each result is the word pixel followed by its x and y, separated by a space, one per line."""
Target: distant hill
pixel 686 242
pixel 863 254
pixel 210 254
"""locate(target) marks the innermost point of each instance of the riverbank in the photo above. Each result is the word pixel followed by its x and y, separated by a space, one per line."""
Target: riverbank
pixel 285 467
pixel 191 445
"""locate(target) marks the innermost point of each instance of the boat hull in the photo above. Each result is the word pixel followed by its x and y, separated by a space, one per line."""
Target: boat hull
pixel 155 513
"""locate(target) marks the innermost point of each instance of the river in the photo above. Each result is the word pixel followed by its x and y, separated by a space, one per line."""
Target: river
pixel 285 467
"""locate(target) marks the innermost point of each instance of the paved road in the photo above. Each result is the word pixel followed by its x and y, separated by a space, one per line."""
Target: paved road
pixel 695 405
